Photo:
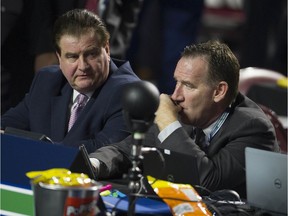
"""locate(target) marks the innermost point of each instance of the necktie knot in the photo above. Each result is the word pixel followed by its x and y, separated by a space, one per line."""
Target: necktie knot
pixel 81 100
pixel 200 139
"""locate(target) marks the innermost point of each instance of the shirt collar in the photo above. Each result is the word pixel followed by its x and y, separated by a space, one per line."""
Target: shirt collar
pixel 208 130
pixel 76 93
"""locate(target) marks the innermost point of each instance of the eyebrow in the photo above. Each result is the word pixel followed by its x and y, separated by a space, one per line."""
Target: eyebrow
pixel 185 82
pixel 89 49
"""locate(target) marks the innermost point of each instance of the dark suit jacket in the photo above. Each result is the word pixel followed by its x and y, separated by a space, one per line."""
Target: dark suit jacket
pixel 45 109
pixel 223 165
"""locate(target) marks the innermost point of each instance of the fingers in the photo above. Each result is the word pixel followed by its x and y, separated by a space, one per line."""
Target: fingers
pixel 167 112
pixel 166 100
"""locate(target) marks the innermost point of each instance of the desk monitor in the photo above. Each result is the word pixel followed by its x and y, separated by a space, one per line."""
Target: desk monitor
pixel 20 155
pixel 178 167
pixel 266 179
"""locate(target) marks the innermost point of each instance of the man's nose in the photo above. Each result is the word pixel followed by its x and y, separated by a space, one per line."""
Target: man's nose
pixel 176 94
pixel 83 64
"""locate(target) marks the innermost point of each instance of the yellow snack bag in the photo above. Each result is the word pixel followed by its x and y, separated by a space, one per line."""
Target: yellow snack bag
pixel 181 198
pixel 59 176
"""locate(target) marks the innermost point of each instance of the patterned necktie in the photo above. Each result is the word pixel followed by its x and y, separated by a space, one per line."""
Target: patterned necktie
pixel 79 104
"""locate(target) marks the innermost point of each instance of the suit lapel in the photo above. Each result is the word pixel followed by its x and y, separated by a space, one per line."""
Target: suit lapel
pixel 59 113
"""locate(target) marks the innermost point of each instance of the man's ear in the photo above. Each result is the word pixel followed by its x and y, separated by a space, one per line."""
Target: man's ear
pixel 58 56
pixel 220 91
pixel 107 49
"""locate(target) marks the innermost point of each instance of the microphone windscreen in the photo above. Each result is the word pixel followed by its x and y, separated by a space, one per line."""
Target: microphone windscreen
pixel 140 100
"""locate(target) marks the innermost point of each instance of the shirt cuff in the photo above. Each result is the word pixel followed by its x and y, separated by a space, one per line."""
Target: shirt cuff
pixel 96 164
pixel 167 131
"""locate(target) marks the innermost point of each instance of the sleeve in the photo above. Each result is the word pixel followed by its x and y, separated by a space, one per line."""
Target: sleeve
pixel 114 159
pixel 18 116
pixel 168 130
pixel 223 165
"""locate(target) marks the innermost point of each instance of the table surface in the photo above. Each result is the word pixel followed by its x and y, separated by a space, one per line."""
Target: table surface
pixel 20 201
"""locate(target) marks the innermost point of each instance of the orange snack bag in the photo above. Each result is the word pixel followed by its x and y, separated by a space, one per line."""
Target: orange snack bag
pixel 181 198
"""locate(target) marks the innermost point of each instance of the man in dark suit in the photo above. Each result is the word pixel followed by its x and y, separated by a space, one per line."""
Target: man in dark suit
pixel 206 97
pixel 82 48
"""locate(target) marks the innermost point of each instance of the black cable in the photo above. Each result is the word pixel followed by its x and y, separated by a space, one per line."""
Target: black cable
pixel 226 208
pixel 199 187
pixel 113 210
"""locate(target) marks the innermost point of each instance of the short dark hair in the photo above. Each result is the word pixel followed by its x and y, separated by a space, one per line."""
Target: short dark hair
pixel 77 22
pixel 222 63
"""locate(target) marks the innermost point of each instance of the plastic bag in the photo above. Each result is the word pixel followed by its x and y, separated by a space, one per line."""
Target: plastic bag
pixel 59 176
pixel 181 198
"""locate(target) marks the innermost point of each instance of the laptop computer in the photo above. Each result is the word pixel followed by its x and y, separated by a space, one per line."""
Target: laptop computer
pixel 82 163
pixel 266 180
pixel 21 153
pixel 171 166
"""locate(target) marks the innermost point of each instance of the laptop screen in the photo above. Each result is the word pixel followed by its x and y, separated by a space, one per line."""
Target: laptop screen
pixel 24 151
pixel 20 155
pixel 171 166
pixel 266 179
pixel 82 163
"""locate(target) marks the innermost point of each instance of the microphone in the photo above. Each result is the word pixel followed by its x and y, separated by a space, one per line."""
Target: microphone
pixel 140 101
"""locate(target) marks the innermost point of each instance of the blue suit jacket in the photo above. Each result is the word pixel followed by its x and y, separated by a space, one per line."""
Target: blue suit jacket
pixel 45 109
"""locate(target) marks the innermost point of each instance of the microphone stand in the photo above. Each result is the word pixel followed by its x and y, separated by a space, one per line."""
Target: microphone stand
pixel 140 101
pixel 135 174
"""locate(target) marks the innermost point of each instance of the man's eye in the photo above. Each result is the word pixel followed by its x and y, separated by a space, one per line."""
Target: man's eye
pixel 188 85
pixel 71 57
pixel 92 54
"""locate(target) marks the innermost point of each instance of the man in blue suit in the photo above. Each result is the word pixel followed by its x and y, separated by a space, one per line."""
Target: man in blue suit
pixel 85 67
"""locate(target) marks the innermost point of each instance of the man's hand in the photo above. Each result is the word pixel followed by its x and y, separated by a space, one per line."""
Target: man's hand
pixel 167 112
